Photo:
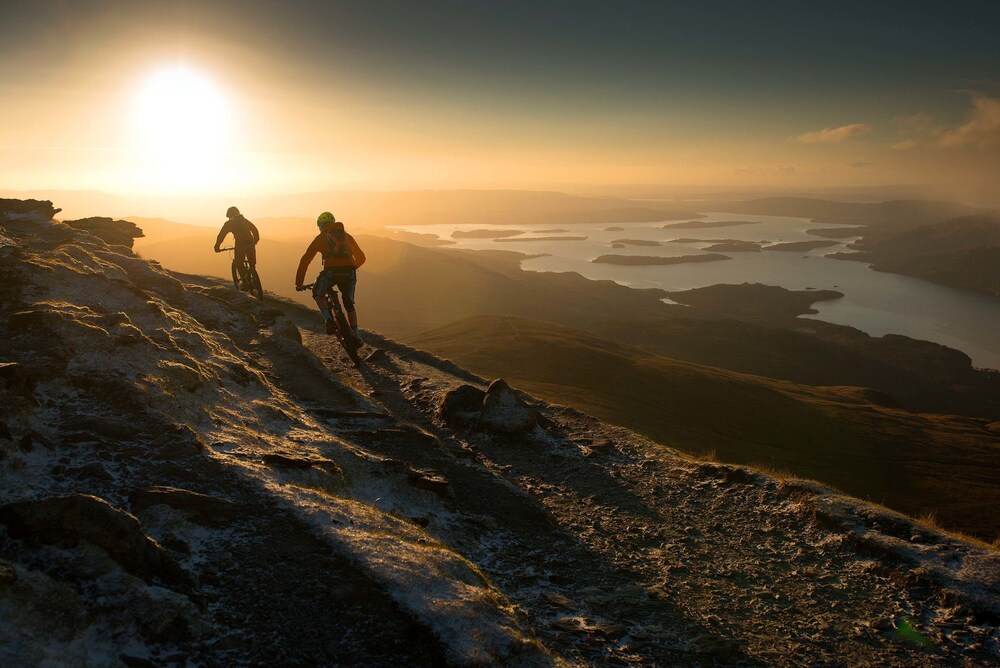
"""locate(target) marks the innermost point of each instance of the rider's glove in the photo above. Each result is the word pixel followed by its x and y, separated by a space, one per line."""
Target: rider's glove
pixel 217 249
pixel 299 288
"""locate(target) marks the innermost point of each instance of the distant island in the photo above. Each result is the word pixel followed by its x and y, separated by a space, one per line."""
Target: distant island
pixel 485 234
pixel 614 229
pixel 797 246
pixel 547 231
pixel 754 300
pixel 837 232
pixel 636 260
pixel 698 224
pixel 735 246
pixel 635 242
pixel 545 239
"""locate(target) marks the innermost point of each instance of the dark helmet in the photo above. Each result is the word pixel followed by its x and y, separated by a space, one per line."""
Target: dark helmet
pixel 232 211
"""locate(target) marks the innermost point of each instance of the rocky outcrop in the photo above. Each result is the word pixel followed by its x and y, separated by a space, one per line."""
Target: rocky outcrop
pixel 17 208
pixel 112 232
pixel 64 521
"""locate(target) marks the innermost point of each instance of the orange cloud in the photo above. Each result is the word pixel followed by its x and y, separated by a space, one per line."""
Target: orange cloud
pixel 834 135
pixel 981 130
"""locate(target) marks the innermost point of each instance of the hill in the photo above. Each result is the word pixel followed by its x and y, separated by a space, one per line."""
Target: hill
pixel 406 289
pixel 190 476
pixel 844 436
pixel 963 252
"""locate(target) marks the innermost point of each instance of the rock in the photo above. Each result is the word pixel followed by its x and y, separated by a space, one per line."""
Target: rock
pixel 179 441
pixel 431 481
pixel 42 208
pixel 286 462
pixel 66 520
pixel 7 572
pixel 286 329
pixel 200 508
pixel 505 412
pixel 13 377
pixel 112 232
pixel 461 407
pixel 377 355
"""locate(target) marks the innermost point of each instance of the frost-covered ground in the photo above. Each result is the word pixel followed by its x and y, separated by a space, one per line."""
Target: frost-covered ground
pixel 191 477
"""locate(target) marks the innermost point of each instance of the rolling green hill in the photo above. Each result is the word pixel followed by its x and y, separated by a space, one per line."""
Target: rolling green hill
pixel 917 463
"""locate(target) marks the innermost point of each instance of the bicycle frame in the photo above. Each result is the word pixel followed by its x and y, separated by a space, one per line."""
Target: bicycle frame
pixel 245 277
pixel 344 333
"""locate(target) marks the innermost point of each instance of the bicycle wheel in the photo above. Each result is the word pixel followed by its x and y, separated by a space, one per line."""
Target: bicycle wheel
pixel 346 338
pixel 236 275
pixel 255 288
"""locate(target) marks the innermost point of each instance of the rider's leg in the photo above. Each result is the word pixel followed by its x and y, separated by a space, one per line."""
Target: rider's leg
pixel 323 283
pixel 352 315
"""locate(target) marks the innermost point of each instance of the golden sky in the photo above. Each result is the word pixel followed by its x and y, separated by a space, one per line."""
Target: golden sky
pixel 255 97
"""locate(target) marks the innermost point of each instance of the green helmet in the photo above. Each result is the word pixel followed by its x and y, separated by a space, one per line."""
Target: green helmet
pixel 324 218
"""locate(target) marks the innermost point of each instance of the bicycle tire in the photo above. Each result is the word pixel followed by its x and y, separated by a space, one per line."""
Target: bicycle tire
pixel 236 274
pixel 347 338
pixel 255 287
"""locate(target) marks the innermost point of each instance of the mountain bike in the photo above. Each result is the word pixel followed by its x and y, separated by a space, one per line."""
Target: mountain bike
pixel 245 277
pixel 343 332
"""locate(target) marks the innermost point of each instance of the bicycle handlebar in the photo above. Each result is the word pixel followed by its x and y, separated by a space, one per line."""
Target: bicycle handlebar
pixel 227 248
pixel 305 287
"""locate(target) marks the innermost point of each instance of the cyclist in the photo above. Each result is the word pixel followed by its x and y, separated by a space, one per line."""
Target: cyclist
pixel 245 236
pixel 341 258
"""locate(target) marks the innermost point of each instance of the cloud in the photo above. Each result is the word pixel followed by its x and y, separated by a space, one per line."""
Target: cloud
pixel 860 163
pixel 981 130
pixel 917 124
pixel 834 135
pixel 905 145
pixel 767 170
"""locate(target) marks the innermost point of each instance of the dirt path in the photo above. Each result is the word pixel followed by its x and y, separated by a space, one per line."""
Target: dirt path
pixel 622 553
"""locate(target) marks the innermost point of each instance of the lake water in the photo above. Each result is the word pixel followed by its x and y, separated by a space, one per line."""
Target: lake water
pixel 875 302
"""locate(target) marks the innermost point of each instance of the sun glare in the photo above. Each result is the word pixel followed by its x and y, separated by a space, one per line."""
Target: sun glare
pixel 182 125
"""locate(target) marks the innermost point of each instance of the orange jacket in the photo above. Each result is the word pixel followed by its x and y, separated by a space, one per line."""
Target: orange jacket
pixel 345 253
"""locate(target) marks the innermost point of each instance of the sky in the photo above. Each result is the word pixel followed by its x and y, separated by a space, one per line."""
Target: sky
pixel 180 97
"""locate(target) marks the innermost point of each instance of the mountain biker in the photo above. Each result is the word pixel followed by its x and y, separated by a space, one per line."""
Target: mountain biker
pixel 245 236
pixel 341 258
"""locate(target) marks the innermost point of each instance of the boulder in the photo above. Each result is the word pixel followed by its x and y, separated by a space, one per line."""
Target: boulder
pixel 505 412
pixel 499 409
pixel 64 521
pixel 461 407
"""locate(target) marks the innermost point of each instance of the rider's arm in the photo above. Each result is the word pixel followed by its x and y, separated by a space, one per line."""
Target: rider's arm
pixel 222 235
pixel 314 247
pixel 253 230
pixel 359 255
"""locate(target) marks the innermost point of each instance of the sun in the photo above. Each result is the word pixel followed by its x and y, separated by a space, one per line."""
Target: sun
pixel 182 124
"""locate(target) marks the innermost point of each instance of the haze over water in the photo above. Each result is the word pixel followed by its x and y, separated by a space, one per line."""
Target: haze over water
pixel 877 303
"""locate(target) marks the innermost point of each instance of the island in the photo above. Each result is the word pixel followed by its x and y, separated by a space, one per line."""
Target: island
pixel 698 224
pixel 754 300
pixel 837 232
pixel 799 246
pixel 545 239
pixel 635 242
pixel 485 234
pixel 637 260
pixel 735 246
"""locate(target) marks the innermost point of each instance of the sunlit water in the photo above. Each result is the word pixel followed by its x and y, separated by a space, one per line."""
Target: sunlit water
pixel 875 302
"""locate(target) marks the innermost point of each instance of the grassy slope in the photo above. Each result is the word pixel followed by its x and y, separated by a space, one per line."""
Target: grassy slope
pixel 918 463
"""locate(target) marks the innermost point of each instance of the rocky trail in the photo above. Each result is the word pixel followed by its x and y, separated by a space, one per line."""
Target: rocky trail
pixel 192 477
